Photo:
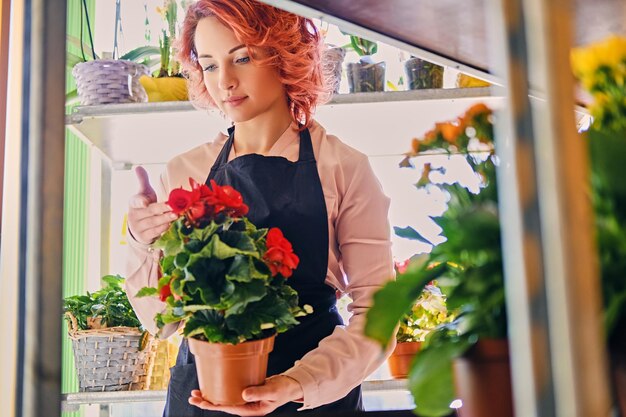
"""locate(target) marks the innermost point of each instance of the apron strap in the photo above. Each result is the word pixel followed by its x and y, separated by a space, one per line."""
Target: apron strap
pixel 306 147
pixel 222 158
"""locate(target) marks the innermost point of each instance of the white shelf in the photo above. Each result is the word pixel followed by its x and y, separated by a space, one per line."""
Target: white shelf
pixel 71 401
pixel 152 133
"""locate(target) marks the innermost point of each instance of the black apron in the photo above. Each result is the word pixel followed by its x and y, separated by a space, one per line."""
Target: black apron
pixel 287 195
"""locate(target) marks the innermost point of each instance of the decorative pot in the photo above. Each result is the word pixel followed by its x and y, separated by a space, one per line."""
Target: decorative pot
pixel 225 370
pixel 421 74
pixel 482 379
pixel 108 81
pixel 332 60
pixel 401 358
pixel 366 76
pixel 165 88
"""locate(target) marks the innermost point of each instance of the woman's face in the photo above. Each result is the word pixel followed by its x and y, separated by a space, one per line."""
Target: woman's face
pixel 240 89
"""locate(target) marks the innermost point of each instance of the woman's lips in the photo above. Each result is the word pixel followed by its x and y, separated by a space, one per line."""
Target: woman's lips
pixel 235 100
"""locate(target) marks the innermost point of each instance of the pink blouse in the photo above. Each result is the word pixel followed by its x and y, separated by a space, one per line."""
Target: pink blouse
pixel 359 262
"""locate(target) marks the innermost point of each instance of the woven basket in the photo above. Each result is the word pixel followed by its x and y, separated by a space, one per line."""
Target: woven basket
pixel 164 353
pixel 332 60
pixel 111 359
pixel 107 81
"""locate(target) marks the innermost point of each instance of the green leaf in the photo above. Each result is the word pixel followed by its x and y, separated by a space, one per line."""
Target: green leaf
pixel 240 245
pixel 181 260
pixel 74 41
pixel 430 378
pixel 147 292
pixel 396 298
pixel 410 233
pixel 137 54
pixel 72 59
pixel 243 294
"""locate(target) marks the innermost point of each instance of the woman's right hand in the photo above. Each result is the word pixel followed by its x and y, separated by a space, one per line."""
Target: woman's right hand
pixel 147 219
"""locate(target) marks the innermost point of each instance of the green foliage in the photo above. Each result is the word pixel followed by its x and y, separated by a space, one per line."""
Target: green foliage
pixel 608 170
pixel 362 46
pixel 467 267
pixel 110 304
pixel 220 287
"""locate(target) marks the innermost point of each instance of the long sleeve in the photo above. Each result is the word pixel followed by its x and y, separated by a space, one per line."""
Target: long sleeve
pixel 346 357
pixel 142 270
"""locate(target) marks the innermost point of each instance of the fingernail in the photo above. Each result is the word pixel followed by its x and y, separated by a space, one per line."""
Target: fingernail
pixel 173 216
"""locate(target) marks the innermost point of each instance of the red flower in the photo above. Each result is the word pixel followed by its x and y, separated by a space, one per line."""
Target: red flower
pixel 180 200
pixel 165 292
pixel 279 255
pixel 226 198
pixel 203 190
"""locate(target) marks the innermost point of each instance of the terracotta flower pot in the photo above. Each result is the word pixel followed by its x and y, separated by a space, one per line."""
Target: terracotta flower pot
pixel 401 358
pixel 225 370
pixel 482 379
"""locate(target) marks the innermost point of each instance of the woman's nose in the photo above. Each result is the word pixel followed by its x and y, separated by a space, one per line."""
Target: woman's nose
pixel 227 80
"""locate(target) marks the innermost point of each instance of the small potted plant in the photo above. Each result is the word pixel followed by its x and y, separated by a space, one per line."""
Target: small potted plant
pixel 365 75
pixel 226 283
pixel 428 312
pixel 421 74
pixel 104 329
pixel 110 80
pixel 468 268
pixel 168 84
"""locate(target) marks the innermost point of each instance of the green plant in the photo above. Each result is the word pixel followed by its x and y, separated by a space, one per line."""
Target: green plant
pixel 362 46
pixel 601 68
pixel 169 66
pixel 107 307
pixel 223 277
pixel 467 266
pixel 426 314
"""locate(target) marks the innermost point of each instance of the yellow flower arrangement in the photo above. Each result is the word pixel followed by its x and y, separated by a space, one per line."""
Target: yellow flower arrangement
pixel 601 69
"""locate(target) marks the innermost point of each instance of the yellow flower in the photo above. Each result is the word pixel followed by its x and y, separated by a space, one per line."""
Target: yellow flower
pixel 610 52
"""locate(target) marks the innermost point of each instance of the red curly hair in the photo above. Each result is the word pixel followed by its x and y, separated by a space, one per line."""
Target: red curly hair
pixel 293 43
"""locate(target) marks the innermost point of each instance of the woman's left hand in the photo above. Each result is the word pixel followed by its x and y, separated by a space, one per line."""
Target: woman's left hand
pixel 261 399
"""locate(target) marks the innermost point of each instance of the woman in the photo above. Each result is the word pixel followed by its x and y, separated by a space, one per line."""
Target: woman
pixel 260 66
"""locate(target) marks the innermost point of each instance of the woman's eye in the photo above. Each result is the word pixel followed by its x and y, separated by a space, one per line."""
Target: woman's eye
pixel 209 68
pixel 243 60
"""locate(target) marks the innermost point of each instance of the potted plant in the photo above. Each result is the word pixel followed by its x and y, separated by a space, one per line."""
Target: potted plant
pixel 421 74
pixel 468 268
pixel 168 84
pixel 365 75
pixel 601 68
pixel 428 312
pixel 225 282
pixel 111 80
pixel 104 329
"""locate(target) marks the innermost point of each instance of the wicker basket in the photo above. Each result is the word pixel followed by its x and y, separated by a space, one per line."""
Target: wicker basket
pixel 107 81
pixel 164 353
pixel 111 359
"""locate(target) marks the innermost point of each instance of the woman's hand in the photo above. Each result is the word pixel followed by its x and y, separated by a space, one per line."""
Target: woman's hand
pixel 262 399
pixel 147 219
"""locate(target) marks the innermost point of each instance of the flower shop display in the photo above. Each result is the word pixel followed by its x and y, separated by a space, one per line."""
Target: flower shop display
pixel 111 351
pixel 421 74
pixel 468 269
pixel 601 69
pixel 226 282
pixel 365 75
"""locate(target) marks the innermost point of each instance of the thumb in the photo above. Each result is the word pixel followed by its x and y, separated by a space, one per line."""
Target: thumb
pixel 259 393
pixel 145 189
